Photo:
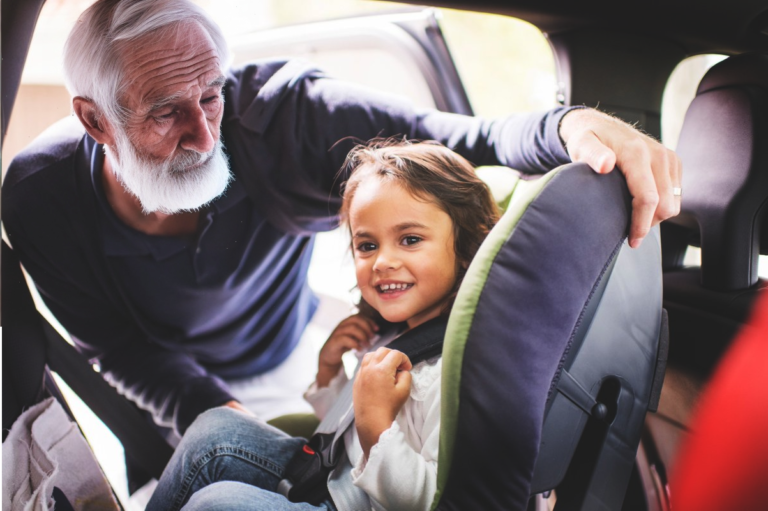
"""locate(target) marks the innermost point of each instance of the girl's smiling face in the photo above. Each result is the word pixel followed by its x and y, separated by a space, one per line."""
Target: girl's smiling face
pixel 404 252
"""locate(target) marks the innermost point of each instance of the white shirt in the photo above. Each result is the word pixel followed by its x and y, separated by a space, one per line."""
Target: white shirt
pixel 401 471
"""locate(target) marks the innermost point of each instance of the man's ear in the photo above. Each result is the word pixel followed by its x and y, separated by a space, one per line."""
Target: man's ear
pixel 93 120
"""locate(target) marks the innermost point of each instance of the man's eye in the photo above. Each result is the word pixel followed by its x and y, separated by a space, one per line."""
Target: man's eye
pixel 366 247
pixel 211 99
pixel 164 117
pixel 411 240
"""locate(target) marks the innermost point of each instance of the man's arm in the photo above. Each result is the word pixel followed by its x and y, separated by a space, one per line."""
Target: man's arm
pixel 288 140
pixel 317 118
pixel 171 385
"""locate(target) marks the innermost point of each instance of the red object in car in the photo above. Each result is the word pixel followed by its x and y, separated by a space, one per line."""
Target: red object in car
pixel 724 462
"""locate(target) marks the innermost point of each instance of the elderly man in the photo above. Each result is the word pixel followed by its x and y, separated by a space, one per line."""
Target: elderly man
pixel 180 265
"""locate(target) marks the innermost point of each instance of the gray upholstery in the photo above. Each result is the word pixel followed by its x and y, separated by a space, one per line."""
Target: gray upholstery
pixel 552 351
pixel 725 171
pixel 725 203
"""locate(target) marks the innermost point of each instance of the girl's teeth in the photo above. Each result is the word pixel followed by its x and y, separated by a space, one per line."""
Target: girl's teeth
pixel 394 287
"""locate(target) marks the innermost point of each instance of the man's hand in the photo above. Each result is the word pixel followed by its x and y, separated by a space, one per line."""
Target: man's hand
pixel 355 332
pixel 652 171
pixel 382 386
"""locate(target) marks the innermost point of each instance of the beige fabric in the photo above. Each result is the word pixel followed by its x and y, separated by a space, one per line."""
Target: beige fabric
pixel 45 449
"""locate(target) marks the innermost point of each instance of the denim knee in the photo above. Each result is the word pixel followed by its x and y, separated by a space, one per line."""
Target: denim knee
pixel 215 419
pixel 233 496
pixel 221 430
pixel 210 427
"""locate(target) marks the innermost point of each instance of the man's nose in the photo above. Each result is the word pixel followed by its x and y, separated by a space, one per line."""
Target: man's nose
pixel 197 135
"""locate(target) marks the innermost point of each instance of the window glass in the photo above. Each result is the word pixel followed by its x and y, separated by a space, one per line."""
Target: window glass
pixel 679 92
pixel 693 258
pixel 365 52
pixel 506 64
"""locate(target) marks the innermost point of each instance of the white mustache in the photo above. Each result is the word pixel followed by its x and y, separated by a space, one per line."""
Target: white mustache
pixel 187 181
pixel 182 162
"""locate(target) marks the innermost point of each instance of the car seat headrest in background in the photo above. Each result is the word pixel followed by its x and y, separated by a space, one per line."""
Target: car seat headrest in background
pixel 747 69
pixel 515 376
pixel 725 172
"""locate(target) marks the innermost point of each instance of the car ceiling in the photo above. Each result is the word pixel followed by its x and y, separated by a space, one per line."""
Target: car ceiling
pixel 699 26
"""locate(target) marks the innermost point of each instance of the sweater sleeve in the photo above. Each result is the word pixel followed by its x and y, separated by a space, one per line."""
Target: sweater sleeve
pixel 401 470
pixel 528 142
pixel 313 121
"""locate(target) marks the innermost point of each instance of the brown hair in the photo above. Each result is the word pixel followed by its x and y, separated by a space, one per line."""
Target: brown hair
pixel 434 173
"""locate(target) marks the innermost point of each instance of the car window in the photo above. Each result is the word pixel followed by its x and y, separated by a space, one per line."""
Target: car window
pixel 505 64
pixel 364 51
pixel 693 258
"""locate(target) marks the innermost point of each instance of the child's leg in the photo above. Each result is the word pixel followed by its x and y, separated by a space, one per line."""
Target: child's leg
pixel 223 445
pixel 230 496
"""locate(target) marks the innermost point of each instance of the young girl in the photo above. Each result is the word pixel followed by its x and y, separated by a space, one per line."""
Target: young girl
pixel 417 214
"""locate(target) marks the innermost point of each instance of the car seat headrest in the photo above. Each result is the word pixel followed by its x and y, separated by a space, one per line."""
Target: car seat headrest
pixel 725 171
pixel 748 69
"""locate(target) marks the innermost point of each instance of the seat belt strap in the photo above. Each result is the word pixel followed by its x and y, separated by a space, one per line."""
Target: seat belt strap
pixel 306 475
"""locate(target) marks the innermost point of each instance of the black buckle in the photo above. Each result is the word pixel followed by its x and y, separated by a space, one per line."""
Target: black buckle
pixel 306 475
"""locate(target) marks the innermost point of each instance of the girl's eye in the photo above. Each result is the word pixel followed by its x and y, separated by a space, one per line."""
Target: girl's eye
pixel 411 240
pixel 366 247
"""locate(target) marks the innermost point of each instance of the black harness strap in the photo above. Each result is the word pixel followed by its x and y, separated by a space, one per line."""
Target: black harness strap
pixel 306 475
pixel 423 342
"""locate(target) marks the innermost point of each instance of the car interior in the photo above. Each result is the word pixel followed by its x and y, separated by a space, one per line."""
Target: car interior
pixel 608 430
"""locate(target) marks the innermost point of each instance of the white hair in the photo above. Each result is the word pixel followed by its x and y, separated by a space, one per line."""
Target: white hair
pixel 91 65
pixel 184 182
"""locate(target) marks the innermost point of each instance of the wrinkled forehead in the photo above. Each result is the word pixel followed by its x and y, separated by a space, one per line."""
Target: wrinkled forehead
pixel 169 62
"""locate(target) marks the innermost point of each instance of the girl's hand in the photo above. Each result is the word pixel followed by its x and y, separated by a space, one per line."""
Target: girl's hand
pixel 382 385
pixel 355 332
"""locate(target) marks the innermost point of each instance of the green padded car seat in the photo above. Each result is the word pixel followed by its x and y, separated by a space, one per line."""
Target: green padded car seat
pixel 554 351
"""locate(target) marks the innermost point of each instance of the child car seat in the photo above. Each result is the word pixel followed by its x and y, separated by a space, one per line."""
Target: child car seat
pixel 554 351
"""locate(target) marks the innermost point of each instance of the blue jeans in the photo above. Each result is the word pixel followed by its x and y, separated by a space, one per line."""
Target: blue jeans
pixel 228 460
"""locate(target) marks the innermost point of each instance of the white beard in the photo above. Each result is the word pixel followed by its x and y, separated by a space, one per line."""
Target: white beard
pixel 169 187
